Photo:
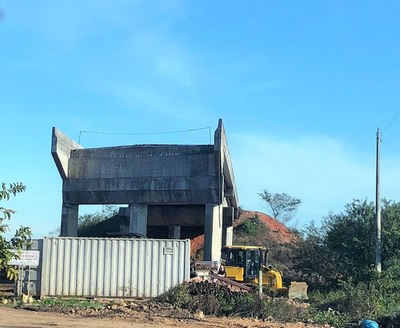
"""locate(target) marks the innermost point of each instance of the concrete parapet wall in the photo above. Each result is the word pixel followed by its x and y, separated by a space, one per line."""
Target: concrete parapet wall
pixel 224 166
pixel 139 161
pixel 61 147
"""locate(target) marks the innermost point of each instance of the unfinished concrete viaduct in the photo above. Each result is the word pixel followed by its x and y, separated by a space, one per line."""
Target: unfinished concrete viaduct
pixel 178 190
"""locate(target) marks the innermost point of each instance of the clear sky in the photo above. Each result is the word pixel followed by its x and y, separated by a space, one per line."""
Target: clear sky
pixel 300 85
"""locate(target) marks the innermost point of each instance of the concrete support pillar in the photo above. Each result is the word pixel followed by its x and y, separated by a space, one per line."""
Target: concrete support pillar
pixel 227 236
pixel 174 231
pixel 212 232
pixel 138 219
pixel 69 220
pixel 227 233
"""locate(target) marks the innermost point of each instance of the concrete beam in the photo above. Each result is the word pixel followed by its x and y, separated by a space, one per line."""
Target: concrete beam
pixel 69 220
pixel 184 215
pixel 142 189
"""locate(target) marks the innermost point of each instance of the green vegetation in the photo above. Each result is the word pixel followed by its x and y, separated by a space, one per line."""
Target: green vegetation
pixel 251 230
pixel 9 248
pixel 342 308
pixel 343 248
pixel 336 260
pixel 71 303
pixel 220 301
pixel 88 224
pixel 79 306
pixel 282 205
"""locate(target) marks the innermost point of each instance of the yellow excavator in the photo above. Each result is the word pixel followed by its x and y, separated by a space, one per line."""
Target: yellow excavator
pixel 243 264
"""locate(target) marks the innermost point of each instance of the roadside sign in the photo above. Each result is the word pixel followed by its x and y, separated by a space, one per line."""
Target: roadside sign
pixel 26 258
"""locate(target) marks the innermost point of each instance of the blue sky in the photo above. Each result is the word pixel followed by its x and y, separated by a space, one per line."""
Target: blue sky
pixel 300 85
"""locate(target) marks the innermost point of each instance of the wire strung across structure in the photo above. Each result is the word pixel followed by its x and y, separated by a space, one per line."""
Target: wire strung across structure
pixel 146 133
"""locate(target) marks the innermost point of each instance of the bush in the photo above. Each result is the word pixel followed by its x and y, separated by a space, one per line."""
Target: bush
pixel 218 300
pixel 252 226
pixel 177 296
pixel 330 317
pixel 283 309
pixel 378 298
pixel 345 307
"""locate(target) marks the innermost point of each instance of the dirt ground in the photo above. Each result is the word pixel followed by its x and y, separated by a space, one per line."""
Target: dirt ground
pixel 12 318
pixel 122 317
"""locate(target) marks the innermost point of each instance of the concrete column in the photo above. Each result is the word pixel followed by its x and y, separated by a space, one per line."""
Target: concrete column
pixel 227 233
pixel 138 219
pixel 174 231
pixel 212 232
pixel 69 220
pixel 227 236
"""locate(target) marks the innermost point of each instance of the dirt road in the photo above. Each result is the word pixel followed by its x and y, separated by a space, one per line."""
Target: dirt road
pixel 13 318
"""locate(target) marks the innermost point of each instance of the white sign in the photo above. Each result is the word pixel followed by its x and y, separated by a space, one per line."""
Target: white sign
pixel 26 258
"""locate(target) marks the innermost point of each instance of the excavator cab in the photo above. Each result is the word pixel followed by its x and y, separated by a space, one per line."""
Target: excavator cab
pixel 242 263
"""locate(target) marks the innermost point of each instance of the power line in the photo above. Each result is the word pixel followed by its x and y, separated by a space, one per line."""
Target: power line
pixel 391 122
pixel 145 133
pixel 390 146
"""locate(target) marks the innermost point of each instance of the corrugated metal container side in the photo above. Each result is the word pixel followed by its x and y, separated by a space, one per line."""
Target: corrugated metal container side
pixel 113 267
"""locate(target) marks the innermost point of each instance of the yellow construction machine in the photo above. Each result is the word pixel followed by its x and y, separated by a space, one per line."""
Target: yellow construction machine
pixel 243 264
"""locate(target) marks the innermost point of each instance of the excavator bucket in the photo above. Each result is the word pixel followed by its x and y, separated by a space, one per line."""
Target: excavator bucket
pixel 298 290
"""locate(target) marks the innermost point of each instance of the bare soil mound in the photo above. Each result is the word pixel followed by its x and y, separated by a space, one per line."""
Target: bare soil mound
pixel 278 231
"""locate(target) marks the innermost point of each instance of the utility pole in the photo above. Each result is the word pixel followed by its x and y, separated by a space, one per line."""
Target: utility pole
pixel 378 245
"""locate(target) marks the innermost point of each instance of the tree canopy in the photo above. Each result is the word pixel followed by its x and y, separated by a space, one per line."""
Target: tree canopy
pixel 344 247
pixel 282 205
pixel 9 248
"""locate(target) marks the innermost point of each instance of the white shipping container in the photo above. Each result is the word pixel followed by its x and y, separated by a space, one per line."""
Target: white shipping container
pixel 112 267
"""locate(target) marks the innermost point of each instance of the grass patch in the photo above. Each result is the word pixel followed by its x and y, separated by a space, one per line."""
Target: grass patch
pixel 59 305
pixel 71 303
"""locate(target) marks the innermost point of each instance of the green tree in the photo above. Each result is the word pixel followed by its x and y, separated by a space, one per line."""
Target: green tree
pixel 282 205
pixel 311 258
pixel 350 239
pixel 391 232
pixel 9 248
pixel 344 247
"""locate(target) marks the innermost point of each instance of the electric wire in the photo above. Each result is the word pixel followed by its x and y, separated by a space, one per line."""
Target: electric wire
pixel 390 146
pixel 390 124
pixel 145 133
